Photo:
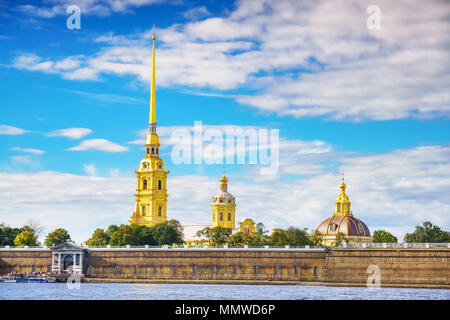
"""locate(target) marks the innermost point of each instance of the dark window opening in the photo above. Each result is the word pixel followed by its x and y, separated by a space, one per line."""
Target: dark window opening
pixel 255 270
pixel 145 184
pixel 275 270
pixel 159 185
pixel 235 270
pixel 221 216
pixel 135 271
pixel 155 270
pixel 316 271
pixel 296 270
pixel 159 211
pixel 214 270
pixel 116 270
pixel 229 216
pixel 174 270
pixel 194 269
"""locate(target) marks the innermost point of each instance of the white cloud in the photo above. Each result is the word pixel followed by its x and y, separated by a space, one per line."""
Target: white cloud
pixel 9 130
pixel 394 191
pixel 21 159
pixel 100 8
pixel 73 133
pixel 299 58
pixel 196 13
pixel 90 169
pixel 100 145
pixel 29 150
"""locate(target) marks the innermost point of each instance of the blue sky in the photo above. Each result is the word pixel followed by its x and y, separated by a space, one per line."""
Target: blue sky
pixel 371 103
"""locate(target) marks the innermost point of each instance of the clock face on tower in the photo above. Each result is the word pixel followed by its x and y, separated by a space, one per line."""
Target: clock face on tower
pixel 144 166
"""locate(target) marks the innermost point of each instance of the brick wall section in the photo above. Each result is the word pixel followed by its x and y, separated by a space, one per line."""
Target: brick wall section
pixel 208 264
pixel 397 265
pixel 24 260
pixel 409 266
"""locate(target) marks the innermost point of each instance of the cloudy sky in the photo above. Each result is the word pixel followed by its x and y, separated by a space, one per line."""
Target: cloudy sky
pixel 372 103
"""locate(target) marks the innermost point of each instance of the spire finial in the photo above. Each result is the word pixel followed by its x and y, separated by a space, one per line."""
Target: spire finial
pixel 223 170
pixel 153 32
pixel 342 177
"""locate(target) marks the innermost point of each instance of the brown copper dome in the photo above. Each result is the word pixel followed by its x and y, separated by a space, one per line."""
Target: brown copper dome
pixel 348 225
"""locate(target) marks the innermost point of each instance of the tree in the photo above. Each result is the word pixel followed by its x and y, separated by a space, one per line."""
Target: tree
pixel 259 237
pixel 163 233
pixel 142 235
pixel 219 235
pixel 7 235
pixel 120 238
pixel 236 239
pixel 36 226
pixel 428 233
pixel 57 237
pixel 178 227
pixel 111 229
pixel 316 238
pixel 205 232
pixel 279 237
pixel 26 238
pixel 99 238
pixel 340 238
pixel 298 237
pixel 381 236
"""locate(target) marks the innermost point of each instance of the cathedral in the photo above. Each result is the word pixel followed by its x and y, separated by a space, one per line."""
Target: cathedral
pixel 343 222
pixel 151 187
pixel 151 197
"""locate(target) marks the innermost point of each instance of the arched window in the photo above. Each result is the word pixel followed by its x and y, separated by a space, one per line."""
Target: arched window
pixel 229 216
pixel 148 151
pixel 144 186
pixel 153 150
pixel 159 211
pixel 159 185
pixel 156 150
pixel 143 211
pixel 221 216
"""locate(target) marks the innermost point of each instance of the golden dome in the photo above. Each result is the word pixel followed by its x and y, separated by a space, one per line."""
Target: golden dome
pixel 342 220
pixel 223 180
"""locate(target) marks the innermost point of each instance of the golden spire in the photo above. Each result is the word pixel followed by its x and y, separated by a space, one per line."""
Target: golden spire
pixel 152 89
pixel 342 186
pixel 224 179
pixel 152 141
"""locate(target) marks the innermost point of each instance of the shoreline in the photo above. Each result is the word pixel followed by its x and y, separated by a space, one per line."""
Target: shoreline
pixel 265 282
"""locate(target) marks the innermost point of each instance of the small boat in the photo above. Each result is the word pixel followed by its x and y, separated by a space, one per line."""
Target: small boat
pixel 51 280
pixel 9 280
pixel 39 280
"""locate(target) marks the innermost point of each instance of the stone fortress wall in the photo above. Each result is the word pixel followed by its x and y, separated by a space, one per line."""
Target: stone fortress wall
pixel 417 266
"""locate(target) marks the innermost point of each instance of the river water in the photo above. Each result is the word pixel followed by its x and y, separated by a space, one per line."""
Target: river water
pixel 125 291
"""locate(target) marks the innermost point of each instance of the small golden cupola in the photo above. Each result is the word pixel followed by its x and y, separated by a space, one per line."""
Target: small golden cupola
pixel 223 206
pixel 342 207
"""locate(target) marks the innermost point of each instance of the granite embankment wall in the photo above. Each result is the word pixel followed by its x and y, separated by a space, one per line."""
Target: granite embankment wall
pixel 410 266
pixel 208 264
pixel 399 266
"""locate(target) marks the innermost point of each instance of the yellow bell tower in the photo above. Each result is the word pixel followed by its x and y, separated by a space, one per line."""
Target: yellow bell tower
pixel 223 206
pixel 151 188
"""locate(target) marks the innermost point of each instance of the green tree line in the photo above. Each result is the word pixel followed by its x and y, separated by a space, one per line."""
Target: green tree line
pixel 161 234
